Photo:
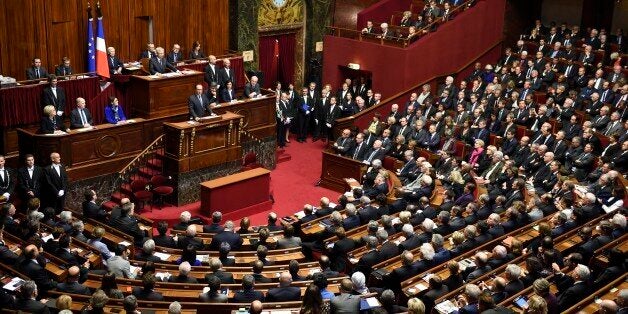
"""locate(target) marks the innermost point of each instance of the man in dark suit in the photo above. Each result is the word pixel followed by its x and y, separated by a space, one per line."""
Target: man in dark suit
pixel 90 208
pixel 216 267
pixel 80 117
pixel 163 239
pixel 190 238
pixel 215 226
pixel 54 95
pixel 198 104
pixel 7 182
pixel 159 64
pixel 57 179
pixel 346 302
pixel 64 68
pixel 305 106
pixel 34 267
pixel 30 179
pixel 214 295
pixel 331 113
pixel 28 300
pixel 376 153
pixel 408 269
pixel 248 294
pixel 71 284
pixel 115 65
pixel 227 235
pixel 128 224
pixel 576 292
pixel 175 56
pixel 147 291
pixel 226 74
pixel 211 71
pixel 36 71
pixel 285 292
pixel 252 88
pixel 184 274
pixel 149 52
pixel 370 258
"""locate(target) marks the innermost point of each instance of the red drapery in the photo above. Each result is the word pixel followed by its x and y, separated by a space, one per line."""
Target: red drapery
pixel 277 68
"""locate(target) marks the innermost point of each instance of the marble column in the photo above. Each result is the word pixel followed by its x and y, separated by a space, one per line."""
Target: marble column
pixel 318 16
pixel 243 28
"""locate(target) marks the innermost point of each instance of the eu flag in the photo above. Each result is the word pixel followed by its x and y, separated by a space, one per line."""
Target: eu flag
pixel 91 47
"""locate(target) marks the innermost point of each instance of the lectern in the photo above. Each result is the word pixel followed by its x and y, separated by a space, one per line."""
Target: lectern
pixel 192 145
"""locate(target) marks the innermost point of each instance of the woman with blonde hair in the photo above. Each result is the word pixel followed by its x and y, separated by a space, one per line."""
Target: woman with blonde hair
pixel 416 306
pixel 406 20
pixel 51 123
pixel 536 305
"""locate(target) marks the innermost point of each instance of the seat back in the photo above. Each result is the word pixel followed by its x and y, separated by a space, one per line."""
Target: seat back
pixel 138 185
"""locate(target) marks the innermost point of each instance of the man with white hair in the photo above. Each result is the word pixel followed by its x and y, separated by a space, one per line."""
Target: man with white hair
pixel 607 307
pixel 215 226
pixel 427 257
pixel 512 275
pixel 376 153
pixel 285 292
pixel 148 252
pixel 352 220
pixel 481 266
pixel 80 117
pixel 622 301
pixel 386 33
pixel 252 89
pixel 499 257
pixel 370 258
pixel 65 220
pixel 468 302
pixel 184 274
pixel 272 222
pixel 190 239
pixel 174 308
pixel 410 239
pixel 227 235
pixel 184 221
pixel 576 292
pixel 159 64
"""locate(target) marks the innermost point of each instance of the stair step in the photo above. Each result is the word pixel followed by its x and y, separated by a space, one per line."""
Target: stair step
pixel 117 196
pixel 109 205
pixel 148 172
pixel 283 158
pixel 155 162
pixel 126 188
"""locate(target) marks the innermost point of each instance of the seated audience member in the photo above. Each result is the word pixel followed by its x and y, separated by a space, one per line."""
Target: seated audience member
pixel 184 221
pixel 289 240
pixel 32 264
pixel 226 235
pixel 252 88
pixel 80 117
pixel 216 266
pixel 71 284
pixel 189 255
pixel 346 302
pixel 114 113
pixel 272 223
pixel 64 68
pixel 184 274
pixel 159 64
pixel 147 291
pixel 163 239
pixel 190 238
pixel 223 255
pixel 115 65
pixel 195 52
pixel 90 208
pixel 36 71
pixel 248 293
pixel 213 293
pixel 119 264
pixel 215 226
pixel 245 226
pixel 110 287
pixel 285 292
pixel 416 306
pixel 27 300
pixel 577 291
pixel 147 253
pixel 51 123
pixel 129 224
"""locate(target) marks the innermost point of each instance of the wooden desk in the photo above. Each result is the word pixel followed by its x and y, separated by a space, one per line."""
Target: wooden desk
pixel 336 168
pixel 160 96
pixel 238 191
pixel 107 148
pixel 195 145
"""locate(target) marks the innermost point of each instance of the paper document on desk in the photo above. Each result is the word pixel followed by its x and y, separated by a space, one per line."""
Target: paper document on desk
pixel 163 256
pixel 446 307
pixel 125 243
pixel 14 284
pixel 300 214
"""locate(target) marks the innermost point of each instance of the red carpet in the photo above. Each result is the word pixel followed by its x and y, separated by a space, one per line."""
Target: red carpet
pixel 292 184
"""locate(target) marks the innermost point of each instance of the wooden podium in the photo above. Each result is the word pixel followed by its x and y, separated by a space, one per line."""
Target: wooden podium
pixel 245 192
pixel 159 96
pixel 193 145
pixel 336 168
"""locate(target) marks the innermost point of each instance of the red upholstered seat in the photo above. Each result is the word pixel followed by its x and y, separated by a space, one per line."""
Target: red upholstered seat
pixel 163 190
pixel 161 187
pixel 140 193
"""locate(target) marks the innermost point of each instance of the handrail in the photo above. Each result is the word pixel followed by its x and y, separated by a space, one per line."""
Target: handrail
pixel 146 150
pixel 346 121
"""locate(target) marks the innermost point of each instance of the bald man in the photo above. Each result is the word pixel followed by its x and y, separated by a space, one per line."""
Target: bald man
pixel 71 284
pixel 285 292
pixel 34 268
pixel 57 179
pixel 159 64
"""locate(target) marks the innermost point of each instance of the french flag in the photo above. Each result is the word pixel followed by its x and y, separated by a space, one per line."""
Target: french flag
pixel 102 67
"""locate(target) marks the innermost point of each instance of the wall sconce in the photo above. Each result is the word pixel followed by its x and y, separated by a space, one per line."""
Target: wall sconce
pixel 353 66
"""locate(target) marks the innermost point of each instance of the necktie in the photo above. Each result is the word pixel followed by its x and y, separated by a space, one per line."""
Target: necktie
pixel 343 142
pixel 200 100
pixel 2 174
pixel 57 169
pixel 227 70
pixel 111 61
pixel 357 150
pixel 159 61
pixel 556 146
pixel 372 155
pixel 30 172
pixel 174 57
pixel 83 118
pixel 37 71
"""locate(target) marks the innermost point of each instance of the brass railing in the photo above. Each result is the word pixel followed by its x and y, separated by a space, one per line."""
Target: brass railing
pixel 140 160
